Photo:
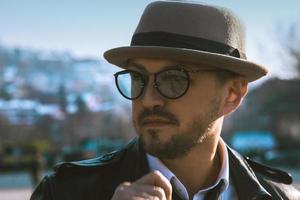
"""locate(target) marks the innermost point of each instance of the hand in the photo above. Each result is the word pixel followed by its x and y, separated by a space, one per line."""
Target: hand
pixel 151 186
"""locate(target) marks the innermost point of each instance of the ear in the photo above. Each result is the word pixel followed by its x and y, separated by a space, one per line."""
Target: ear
pixel 236 90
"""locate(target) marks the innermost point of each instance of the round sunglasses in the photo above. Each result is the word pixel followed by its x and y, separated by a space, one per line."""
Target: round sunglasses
pixel 170 83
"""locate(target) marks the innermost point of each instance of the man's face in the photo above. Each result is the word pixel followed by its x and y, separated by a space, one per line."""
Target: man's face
pixel 169 128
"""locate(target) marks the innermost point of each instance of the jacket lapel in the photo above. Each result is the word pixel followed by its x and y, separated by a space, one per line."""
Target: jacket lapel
pixel 245 182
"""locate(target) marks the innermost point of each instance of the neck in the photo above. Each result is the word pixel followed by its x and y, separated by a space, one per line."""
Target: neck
pixel 202 162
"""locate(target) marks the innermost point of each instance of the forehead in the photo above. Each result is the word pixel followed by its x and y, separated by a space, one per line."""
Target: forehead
pixel 151 65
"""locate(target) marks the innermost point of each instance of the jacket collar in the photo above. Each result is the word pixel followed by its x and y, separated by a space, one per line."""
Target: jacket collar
pixel 131 164
pixel 134 164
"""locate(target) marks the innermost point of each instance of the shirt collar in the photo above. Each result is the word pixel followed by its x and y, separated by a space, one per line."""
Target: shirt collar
pixel 156 164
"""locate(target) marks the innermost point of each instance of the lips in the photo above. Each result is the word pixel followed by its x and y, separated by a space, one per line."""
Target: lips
pixel 156 121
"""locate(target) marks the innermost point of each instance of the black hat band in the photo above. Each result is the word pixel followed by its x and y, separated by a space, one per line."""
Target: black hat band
pixel 164 39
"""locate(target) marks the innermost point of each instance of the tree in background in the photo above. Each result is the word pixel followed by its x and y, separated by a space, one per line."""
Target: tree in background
pixel 5 128
pixel 81 105
pixel 289 40
pixel 62 98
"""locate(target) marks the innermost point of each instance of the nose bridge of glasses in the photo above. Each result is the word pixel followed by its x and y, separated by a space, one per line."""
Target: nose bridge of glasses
pixel 151 86
pixel 150 80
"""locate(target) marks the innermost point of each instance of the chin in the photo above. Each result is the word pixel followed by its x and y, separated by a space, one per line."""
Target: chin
pixel 152 138
pixel 156 137
pixel 163 146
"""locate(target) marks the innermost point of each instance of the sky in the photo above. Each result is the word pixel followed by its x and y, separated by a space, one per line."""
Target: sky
pixel 88 28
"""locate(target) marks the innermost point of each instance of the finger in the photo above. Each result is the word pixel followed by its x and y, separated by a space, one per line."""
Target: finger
pixel 155 178
pixel 124 191
pixel 128 191
pixel 149 190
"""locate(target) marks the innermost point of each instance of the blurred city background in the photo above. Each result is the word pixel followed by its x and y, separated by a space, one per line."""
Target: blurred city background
pixel 58 100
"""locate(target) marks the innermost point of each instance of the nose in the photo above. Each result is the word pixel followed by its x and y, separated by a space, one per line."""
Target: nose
pixel 151 97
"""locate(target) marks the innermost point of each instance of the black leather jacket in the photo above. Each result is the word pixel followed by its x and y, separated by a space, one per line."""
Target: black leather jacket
pixel 97 178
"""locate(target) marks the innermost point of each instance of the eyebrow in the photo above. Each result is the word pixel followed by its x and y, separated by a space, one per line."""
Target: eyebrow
pixel 143 68
pixel 136 65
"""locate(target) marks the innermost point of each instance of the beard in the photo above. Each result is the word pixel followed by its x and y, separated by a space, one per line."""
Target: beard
pixel 180 143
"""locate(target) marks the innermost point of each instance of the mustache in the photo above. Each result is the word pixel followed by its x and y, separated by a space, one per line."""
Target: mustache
pixel 159 112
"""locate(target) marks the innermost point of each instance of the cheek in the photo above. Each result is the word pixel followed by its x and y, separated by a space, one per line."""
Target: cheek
pixel 135 111
pixel 190 103
pixel 192 107
pixel 185 111
pixel 186 115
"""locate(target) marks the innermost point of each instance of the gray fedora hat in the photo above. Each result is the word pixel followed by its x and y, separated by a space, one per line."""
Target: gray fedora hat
pixel 192 33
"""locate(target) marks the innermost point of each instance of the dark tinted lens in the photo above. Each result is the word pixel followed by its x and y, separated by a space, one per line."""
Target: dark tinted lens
pixel 130 84
pixel 172 83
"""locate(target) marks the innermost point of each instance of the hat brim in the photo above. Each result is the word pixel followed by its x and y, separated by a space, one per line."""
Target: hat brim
pixel 252 71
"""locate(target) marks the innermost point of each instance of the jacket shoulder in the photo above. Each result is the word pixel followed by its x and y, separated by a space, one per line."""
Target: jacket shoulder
pixel 95 163
pixel 268 180
pixel 276 181
pixel 274 174
pixel 96 178
pixel 98 162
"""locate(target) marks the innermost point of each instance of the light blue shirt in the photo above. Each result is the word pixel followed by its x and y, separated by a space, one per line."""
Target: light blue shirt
pixel 156 164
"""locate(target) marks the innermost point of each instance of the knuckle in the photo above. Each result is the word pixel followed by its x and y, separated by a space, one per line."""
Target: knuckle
pixel 124 190
pixel 152 198
pixel 158 189
pixel 156 173
pixel 160 192
pixel 123 186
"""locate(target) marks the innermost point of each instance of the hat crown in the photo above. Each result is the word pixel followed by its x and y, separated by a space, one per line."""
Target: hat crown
pixel 189 32
pixel 194 20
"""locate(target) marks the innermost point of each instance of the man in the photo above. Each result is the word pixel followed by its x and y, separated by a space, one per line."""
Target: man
pixel 185 70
